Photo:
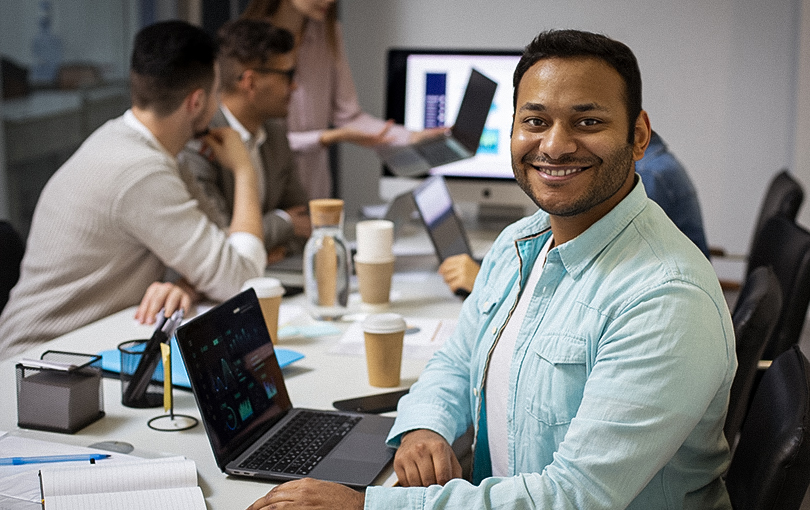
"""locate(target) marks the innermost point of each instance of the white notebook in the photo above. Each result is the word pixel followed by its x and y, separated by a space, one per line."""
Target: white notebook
pixel 155 483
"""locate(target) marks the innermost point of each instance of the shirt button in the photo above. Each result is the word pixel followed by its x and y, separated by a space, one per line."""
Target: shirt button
pixel 495 330
pixel 475 392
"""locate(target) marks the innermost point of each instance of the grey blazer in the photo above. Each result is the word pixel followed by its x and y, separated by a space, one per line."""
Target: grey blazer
pixel 213 185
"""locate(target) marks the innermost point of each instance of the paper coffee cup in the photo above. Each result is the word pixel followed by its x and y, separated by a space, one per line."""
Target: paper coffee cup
pixel 374 280
pixel 269 292
pixel 375 240
pixel 384 334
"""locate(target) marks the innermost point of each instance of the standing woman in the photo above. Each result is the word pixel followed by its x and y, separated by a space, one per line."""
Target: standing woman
pixel 324 108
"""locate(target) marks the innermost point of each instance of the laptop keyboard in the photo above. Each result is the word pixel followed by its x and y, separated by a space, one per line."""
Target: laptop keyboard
pixel 302 443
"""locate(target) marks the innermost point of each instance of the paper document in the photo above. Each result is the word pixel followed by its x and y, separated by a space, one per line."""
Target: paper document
pixel 422 338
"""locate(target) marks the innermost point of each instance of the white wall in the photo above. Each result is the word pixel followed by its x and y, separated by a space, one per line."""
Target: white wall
pixel 801 148
pixel 720 79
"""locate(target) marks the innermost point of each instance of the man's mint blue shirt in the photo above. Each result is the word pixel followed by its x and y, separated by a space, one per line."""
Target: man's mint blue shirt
pixel 619 379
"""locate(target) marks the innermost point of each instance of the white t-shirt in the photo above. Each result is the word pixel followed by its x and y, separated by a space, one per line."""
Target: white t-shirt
pixel 497 389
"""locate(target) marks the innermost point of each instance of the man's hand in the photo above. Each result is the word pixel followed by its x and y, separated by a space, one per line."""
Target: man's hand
pixel 276 254
pixel 230 152
pixel 310 494
pixel 302 225
pixel 357 136
pixel 459 272
pixel 425 458
pixel 228 149
pixel 165 295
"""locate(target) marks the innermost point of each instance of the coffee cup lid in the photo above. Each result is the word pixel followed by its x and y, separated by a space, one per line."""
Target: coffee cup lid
pixel 375 225
pixel 384 323
pixel 265 287
pixel 364 260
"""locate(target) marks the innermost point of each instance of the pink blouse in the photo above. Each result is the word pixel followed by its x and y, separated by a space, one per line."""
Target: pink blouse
pixel 325 97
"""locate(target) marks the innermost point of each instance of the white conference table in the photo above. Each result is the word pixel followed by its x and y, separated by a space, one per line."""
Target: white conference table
pixel 315 381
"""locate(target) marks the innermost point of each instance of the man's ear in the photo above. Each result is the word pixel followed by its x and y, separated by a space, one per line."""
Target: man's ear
pixel 641 135
pixel 196 101
pixel 247 80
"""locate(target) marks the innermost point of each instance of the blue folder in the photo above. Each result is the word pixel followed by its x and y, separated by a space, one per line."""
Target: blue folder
pixel 111 362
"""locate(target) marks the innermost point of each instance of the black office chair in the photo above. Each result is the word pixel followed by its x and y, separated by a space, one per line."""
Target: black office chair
pixel 770 469
pixel 11 254
pixel 783 197
pixel 755 315
pixel 785 246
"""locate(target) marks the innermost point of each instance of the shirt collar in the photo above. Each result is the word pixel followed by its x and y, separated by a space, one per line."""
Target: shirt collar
pixel 578 253
pixel 132 121
pixel 247 138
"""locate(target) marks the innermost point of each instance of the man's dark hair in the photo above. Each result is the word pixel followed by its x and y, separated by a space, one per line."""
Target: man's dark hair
pixel 170 59
pixel 249 42
pixel 579 44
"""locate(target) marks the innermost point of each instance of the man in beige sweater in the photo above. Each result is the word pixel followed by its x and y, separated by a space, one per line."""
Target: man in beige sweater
pixel 117 214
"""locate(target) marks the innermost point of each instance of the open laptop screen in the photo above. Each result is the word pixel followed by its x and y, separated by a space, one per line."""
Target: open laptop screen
pixel 232 365
pixel 435 206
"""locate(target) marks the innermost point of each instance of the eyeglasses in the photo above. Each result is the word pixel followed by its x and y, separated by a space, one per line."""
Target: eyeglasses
pixel 289 73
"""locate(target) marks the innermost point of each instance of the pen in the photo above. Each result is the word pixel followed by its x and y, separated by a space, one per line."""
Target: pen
pixel 171 324
pixel 149 360
pixel 16 461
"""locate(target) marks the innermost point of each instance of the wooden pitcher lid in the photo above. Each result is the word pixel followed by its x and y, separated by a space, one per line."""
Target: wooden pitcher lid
pixel 325 211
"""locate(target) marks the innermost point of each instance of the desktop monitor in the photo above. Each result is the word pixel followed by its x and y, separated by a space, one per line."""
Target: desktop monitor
pixel 424 90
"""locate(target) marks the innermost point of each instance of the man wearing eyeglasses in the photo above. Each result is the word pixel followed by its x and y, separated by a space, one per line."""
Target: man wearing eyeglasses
pixel 256 79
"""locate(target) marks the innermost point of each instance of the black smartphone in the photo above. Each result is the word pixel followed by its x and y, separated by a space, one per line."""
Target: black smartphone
pixel 373 404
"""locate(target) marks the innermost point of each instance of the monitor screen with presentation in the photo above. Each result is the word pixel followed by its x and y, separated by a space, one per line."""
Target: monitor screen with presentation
pixel 424 90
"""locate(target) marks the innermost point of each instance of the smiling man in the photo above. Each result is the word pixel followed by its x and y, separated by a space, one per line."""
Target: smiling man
pixel 595 354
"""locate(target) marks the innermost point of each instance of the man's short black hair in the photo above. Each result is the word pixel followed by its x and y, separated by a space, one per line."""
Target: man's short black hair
pixel 579 44
pixel 170 59
pixel 249 42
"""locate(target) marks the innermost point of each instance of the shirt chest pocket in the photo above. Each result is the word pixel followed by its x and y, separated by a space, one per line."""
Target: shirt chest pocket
pixel 554 379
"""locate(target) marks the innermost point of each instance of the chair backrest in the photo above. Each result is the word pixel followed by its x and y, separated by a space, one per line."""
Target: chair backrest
pixel 785 246
pixel 755 314
pixel 11 254
pixel 783 197
pixel 770 468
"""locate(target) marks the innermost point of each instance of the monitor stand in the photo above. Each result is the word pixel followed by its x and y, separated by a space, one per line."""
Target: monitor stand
pixel 500 213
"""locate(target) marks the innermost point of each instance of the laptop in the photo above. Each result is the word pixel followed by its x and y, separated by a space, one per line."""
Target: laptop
pixel 400 211
pixel 249 419
pixel 290 272
pixel 444 227
pixel 460 143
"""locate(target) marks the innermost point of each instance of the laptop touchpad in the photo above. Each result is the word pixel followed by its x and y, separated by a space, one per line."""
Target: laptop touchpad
pixel 359 446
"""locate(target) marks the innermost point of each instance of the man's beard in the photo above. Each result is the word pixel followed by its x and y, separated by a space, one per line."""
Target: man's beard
pixel 611 175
